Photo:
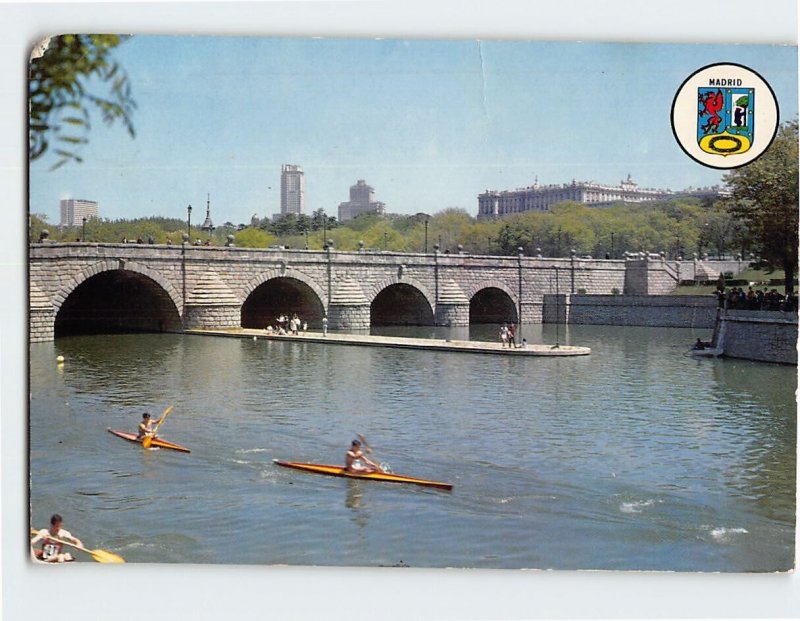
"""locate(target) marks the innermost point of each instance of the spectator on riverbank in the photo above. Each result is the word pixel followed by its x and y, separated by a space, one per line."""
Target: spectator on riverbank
pixel 736 299
pixel 512 336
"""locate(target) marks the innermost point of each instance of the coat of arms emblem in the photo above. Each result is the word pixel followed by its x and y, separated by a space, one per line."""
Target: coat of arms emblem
pixel 715 118
pixel 725 119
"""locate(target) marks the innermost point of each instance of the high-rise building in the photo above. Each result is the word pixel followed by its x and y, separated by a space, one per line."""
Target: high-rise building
pixel 293 189
pixel 74 210
pixel 361 196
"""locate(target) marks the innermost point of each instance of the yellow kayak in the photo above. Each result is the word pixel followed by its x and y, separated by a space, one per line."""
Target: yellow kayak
pixel 157 442
pixel 339 471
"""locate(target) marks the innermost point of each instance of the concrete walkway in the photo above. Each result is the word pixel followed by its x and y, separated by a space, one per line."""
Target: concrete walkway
pixel 474 347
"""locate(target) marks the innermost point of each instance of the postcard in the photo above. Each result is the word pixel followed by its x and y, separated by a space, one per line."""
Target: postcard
pixel 412 303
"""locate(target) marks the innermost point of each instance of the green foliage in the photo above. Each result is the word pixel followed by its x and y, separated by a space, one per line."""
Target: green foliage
pixel 679 227
pixel 254 238
pixel 765 201
pixel 36 224
pixel 61 83
pixel 364 222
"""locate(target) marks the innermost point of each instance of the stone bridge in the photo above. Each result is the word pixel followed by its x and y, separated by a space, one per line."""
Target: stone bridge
pixel 89 287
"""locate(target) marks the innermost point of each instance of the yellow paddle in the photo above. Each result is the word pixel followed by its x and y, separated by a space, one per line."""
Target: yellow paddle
pixel 101 556
pixel 148 440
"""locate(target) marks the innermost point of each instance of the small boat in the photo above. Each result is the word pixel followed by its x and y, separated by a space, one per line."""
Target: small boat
pixel 339 471
pixel 157 442
pixel 707 352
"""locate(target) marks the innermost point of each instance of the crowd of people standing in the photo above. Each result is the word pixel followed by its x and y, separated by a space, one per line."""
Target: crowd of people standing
pixel 736 298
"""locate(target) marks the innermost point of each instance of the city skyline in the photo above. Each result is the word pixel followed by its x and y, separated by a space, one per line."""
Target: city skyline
pixel 431 123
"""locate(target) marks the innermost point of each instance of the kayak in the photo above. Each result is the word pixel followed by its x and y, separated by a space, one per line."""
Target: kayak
pixel 157 442
pixel 37 561
pixel 707 352
pixel 339 471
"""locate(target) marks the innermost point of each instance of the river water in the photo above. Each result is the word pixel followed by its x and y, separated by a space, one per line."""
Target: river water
pixel 635 457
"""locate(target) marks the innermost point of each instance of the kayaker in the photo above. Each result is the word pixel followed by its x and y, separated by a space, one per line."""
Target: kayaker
pixel 146 426
pixel 51 550
pixel 355 461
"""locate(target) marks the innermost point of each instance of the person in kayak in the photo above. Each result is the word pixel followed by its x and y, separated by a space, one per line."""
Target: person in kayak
pixel 356 462
pixel 146 426
pixel 51 550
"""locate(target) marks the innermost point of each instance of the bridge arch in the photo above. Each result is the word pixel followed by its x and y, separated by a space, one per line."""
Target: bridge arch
pixel 282 291
pixel 117 296
pixel 401 301
pixel 492 301
pixel 111 265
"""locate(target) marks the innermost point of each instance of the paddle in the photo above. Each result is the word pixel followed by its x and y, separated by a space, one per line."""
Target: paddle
pixel 368 450
pixel 148 440
pixel 101 556
pixel 364 442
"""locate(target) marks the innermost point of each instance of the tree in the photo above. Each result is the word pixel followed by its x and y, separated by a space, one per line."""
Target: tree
pixel 765 198
pixel 319 220
pixel 254 238
pixel 60 98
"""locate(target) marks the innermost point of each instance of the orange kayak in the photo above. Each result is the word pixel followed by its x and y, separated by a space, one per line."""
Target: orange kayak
pixel 158 442
pixel 339 471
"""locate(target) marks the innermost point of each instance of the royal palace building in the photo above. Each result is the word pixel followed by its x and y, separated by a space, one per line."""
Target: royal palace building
pixel 498 203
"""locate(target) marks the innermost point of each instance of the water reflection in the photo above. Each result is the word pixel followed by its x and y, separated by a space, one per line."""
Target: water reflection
pixel 354 497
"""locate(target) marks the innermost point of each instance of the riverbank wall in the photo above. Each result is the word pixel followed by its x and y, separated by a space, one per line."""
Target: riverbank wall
pixel 673 311
pixel 764 336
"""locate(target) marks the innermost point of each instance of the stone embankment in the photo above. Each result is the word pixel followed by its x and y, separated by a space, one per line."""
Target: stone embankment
pixel 764 336
pixel 673 311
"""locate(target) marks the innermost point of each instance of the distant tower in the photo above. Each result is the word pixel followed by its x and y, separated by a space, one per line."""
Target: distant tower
pixel 361 201
pixel 208 225
pixel 74 210
pixel 293 189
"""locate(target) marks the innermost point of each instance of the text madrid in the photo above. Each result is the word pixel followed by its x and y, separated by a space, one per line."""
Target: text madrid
pixel 724 82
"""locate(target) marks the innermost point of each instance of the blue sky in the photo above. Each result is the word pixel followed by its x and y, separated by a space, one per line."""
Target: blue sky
pixel 428 123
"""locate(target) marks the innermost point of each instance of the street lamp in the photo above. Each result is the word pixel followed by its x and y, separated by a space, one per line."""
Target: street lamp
pixel 189 222
pixel 83 238
pixel 324 228
pixel 385 240
pixel 426 234
pixel 612 244
pixel 558 318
